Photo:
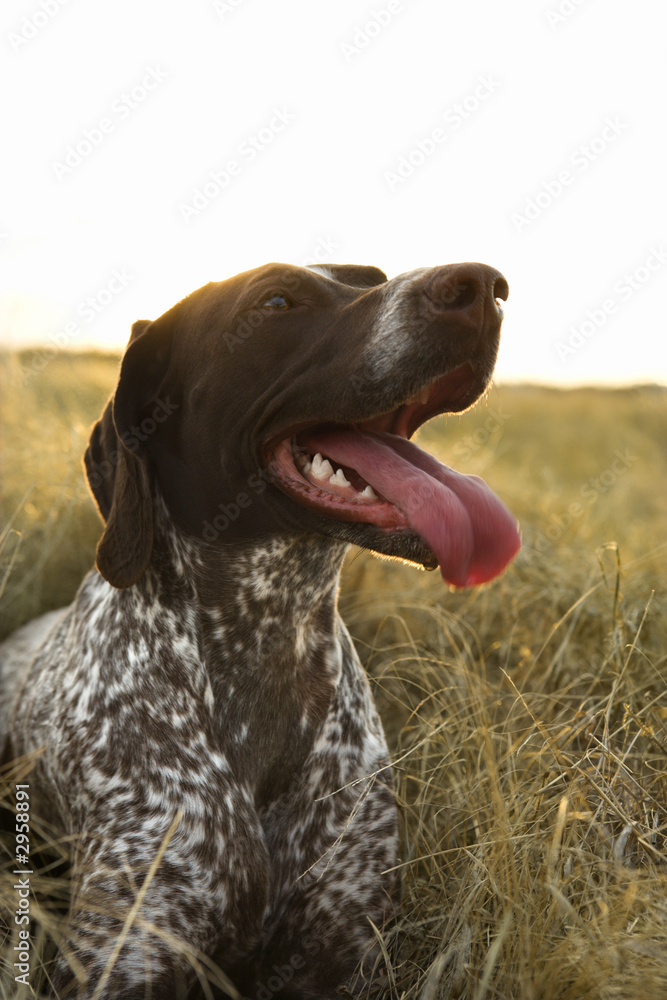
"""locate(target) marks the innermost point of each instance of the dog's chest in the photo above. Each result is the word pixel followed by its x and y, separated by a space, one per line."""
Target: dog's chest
pixel 273 688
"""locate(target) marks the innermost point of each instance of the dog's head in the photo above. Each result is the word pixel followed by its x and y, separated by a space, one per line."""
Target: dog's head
pixel 283 399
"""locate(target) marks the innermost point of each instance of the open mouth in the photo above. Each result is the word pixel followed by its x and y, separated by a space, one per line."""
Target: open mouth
pixel 370 472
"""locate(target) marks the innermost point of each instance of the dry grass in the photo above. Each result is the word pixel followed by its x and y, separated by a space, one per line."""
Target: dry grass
pixel 533 807
pixel 527 719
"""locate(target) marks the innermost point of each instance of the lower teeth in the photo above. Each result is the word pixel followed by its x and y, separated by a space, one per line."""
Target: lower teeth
pixel 322 470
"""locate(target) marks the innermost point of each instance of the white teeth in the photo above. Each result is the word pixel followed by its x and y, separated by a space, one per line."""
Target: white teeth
pixel 321 468
pixel 338 479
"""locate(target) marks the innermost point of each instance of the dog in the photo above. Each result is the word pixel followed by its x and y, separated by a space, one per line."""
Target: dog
pixel 202 728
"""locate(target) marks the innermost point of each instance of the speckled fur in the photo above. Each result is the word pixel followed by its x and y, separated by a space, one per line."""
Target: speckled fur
pixel 206 736
pixel 288 827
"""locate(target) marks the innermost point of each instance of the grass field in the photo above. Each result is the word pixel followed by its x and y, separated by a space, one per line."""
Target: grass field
pixel 527 719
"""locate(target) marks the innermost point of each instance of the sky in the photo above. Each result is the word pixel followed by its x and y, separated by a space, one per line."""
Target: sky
pixel 151 147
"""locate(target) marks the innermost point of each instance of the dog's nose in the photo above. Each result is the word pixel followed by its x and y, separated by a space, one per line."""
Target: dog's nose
pixel 465 287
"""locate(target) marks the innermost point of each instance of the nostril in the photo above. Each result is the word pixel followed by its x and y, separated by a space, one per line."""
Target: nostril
pixel 463 295
pixel 465 288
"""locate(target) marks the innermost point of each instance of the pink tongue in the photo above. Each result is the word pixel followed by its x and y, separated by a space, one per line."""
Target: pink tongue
pixel 471 532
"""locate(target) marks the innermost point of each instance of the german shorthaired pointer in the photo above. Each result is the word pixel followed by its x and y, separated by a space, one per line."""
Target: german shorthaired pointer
pixel 205 733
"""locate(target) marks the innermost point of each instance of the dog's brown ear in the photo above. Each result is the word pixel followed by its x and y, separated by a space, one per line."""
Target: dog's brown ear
pixel 116 460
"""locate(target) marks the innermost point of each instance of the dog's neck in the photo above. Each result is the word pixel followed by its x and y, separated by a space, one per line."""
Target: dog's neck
pixel 267 624
pixel 281 584
pixel 268 603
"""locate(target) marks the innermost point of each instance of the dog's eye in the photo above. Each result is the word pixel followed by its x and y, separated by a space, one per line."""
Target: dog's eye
pixel 276 302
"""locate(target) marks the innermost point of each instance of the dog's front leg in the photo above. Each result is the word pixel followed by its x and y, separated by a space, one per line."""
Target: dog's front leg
pixel 146 907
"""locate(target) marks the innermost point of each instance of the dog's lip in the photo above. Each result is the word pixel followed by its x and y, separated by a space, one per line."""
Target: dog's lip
pixel 452 392
pixel 369 472
pixel 343 503
pixel 448 393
